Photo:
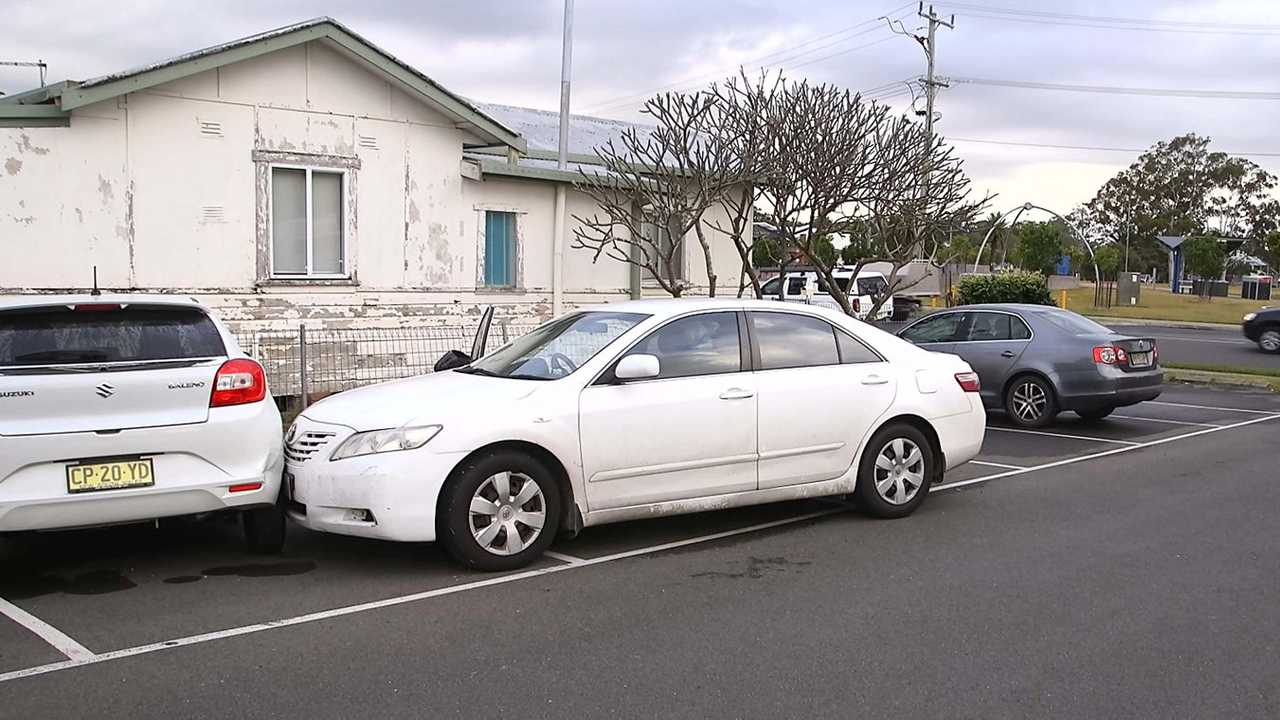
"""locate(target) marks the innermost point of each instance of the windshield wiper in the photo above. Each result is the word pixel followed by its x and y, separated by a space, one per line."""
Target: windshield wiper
pixel 489 373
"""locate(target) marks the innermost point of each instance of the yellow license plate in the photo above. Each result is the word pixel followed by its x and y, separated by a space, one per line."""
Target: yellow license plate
pixel 93 476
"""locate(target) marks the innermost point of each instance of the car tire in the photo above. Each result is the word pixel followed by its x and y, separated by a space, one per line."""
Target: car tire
pixel 892 482
pixel 1029 401
pixel 264 530
pixel 1095 414
pixel 1269 340
pixel 483 540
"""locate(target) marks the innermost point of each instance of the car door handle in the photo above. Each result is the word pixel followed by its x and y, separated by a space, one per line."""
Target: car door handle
pixel 874 380
pixel 1008 353
pixel 736 394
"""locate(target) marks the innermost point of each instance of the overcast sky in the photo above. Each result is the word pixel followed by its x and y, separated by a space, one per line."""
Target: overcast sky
pixel 508 51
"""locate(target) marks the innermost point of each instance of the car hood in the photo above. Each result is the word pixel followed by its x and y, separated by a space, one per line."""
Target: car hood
pixel 430 399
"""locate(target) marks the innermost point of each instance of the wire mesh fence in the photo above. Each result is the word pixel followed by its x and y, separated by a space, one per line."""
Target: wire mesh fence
pixel 329 360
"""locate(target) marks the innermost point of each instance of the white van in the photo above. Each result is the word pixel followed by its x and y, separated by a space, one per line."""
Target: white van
pixel 804 287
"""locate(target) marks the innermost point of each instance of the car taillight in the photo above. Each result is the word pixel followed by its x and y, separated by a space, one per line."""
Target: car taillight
pixel 97 307
pixel 969 381
pixel 1155 352
pixel 1105 355
pixel 857 305
pixel 238 381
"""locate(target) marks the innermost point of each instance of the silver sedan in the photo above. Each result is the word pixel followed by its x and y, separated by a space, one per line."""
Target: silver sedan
pixel 1035 361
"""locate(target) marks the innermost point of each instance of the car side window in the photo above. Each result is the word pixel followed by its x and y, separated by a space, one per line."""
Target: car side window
pixel 853 351
pixel 1018 329
pixel 771 287
pixel 795 286
pixel 788 340
pixel 989 326
pixel 935 329
pixel 705 344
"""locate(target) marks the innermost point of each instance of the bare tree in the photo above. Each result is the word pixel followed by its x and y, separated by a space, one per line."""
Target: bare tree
pixel 658 188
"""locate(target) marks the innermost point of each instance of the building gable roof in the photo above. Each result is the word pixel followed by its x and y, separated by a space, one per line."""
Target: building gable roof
pixel 72 95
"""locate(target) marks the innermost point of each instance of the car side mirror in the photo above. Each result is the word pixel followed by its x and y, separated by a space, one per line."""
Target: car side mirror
pixel 452 359
pixel 637 367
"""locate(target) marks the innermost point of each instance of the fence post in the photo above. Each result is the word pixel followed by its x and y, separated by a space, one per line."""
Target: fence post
pixel 302 363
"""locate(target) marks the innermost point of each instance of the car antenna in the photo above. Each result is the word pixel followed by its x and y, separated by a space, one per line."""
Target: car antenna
pixel 95 292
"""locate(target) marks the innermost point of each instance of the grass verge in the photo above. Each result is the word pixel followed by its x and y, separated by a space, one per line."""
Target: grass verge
pixel 1156 303
pixel 1223 375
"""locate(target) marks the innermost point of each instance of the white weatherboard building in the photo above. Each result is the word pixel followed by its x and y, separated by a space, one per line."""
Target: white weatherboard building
pixel 299 176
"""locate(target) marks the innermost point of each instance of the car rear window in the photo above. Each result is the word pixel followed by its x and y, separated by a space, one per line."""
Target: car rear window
pixel 1075 324
pixel 133 333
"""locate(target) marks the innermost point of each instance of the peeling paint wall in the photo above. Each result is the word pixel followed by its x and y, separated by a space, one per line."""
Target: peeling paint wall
pixel 160 191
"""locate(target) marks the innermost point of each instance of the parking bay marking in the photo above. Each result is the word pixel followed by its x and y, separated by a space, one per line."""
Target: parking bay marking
pixel 563 558
pixel 1162 420
pixel 1006 466
pixel 1210 407
pixel 93 659
pixel 1094 456
pixel 1063 435
pixel 50 634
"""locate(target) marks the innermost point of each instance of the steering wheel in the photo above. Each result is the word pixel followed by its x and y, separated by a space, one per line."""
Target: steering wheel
pixel 560 364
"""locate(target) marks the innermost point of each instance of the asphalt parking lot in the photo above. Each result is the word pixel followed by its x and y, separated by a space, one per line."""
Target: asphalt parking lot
pixel 1128 567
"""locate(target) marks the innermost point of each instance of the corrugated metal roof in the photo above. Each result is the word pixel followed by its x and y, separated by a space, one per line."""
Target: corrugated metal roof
pixel 541 128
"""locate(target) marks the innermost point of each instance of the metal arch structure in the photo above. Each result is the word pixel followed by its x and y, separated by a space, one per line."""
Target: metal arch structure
pixel 1017 213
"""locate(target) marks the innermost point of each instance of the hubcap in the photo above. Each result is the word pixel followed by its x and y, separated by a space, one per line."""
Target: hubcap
pixel 1029 401
pixel 507 513
pixel 899 471
pixel 1270 340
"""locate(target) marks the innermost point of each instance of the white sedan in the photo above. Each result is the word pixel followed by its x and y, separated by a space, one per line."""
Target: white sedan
pixel 127 408
pixel 635 410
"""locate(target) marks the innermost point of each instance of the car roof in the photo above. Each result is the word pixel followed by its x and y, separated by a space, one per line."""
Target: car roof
pixel 669 307
pixel 1010 307
pixel 11 302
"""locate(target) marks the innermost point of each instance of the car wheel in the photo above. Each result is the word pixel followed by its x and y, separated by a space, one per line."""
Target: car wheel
pixel 895 473
pixel 1096 414
pixel 1030 402
pixel 264 530
pixel 499 511
pixel 1269 341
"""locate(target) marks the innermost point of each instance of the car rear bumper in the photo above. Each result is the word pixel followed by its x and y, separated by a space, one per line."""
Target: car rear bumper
pixel 961 435
pixel 195 466
pixel 1115 391
pixel 388 496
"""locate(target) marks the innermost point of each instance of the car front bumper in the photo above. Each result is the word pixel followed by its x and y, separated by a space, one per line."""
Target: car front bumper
pixel 388 496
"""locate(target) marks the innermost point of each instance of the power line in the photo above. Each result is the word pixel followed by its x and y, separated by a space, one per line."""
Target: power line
pixel 1099 148
pixel 1116 90
pixel 1104 26
pixel 1132 23
pixel 787 55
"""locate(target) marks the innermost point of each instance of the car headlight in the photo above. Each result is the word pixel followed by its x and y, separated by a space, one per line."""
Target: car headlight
pixel 381 441
pixel 1250 316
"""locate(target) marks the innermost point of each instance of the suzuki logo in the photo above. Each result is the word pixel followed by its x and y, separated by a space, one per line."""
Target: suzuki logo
pixel 105 390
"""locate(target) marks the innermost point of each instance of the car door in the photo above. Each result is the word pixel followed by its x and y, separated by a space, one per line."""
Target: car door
pixel 820 390
pixel 992 344
pixel 936 332
pixel 687 433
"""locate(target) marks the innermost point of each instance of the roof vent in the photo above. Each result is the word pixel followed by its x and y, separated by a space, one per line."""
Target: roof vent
pixel 210 128
pixel 213 214
pixel 367 141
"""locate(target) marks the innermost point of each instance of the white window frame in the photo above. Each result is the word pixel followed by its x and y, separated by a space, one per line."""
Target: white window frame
pixel 345 273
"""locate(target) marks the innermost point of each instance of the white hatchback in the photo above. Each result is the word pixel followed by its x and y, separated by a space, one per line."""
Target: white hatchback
pixel 126 408
pixel 635 410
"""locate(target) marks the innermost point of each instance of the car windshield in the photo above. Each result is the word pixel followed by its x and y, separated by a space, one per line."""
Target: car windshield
pixel 1076 324
pixel 557 348
pixel 873 286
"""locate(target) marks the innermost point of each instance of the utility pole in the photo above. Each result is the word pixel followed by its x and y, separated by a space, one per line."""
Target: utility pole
pixel 930 45
pixel 562 163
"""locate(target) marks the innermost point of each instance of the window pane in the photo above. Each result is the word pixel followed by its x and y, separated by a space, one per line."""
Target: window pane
pixel 288 221
pixel 696 345
pixel 499 248
pixel 771 287
pixel 1018 329
pixel 795 286
pixel 940 328
pixel 51 336
pixel 326 223
pixel 853 351
pixel 788 340
pixel 989 326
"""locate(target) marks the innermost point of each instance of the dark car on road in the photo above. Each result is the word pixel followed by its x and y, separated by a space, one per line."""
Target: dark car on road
pixel 1035 361
pixel 1263 327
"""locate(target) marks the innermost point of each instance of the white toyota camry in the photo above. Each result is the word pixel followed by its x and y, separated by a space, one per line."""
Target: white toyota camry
pixel 126 408
pixel 632 410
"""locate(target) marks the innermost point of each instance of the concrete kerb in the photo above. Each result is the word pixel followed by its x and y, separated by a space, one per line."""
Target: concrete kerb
pixel 1205 377
pixel 1184 324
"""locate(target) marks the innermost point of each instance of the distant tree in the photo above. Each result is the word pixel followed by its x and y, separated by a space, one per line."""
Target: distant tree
pixel 1040 245
pixel 1109 259
pixel 1204 256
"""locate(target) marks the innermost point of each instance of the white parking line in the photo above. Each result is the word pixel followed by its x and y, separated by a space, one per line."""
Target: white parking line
pixel 563 558
pixel 995 464
pixel 50 634
pixel 1104 453
pixel 1162 420
pixel 391 602
pixel 1209 407
pixel 1063 435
